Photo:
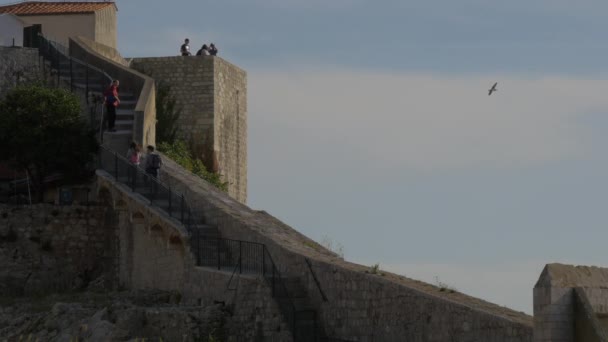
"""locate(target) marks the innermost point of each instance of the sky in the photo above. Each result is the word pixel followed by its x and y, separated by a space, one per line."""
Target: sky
pixel 370 127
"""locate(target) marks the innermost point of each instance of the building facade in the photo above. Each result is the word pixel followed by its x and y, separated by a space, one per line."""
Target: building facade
pixel 60 20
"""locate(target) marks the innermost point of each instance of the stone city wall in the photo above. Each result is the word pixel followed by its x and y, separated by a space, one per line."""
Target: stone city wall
pixel 360 303
pixel 17 65
pixel 48 248
pixel 230 126
pixel 153 253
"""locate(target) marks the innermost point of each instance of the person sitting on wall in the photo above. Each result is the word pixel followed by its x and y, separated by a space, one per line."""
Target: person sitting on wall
pixel 204 51
pixel 212 50
pixel 185 49
pixel 112 101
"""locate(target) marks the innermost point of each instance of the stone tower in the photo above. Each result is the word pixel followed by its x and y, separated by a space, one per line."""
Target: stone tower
pixel 571 304
pixel 212 95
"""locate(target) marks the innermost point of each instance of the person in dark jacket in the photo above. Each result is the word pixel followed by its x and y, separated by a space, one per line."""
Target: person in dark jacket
pixel 204 51
pixel 212 50
pixel 153 162
pixel 112 101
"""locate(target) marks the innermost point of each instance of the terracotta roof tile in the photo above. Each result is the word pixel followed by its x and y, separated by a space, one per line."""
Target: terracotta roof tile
pixel 46 8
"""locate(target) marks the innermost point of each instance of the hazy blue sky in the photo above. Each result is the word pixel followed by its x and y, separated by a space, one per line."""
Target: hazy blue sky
pixel 370 124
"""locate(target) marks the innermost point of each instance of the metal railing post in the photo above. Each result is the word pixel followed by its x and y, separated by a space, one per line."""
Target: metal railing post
pixel 58 66
pixel 134 177
pixel 154 187
pixel 218 253
pixel 198 248
pixel 71 77
pixel 182 208
pixel 170 202
pixel 314 322
pixel 86 78
pixel 293 323
pixel 240 257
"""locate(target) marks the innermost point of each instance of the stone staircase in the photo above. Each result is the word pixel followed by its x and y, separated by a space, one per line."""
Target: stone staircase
pixel 96 83
pixel 207 245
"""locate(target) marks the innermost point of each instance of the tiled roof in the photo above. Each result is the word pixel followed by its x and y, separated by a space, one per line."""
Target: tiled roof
pixel 45 8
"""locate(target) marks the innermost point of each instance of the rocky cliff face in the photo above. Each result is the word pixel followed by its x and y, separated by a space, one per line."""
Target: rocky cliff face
pixel 56 284
pixel 119 316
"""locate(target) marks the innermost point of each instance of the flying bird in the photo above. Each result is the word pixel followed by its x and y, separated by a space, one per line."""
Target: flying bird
pixel 493 89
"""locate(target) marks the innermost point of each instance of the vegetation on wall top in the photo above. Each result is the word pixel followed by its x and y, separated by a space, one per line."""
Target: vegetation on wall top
pixel 179 152
pixel 167 115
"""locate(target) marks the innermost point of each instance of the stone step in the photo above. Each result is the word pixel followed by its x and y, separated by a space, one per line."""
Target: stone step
pixel 124 116
pixel 122 125
pixel 124 132
pixel 82 79
pixel 124 111
pixel 77 73
pixel 126 96
pixel 93 82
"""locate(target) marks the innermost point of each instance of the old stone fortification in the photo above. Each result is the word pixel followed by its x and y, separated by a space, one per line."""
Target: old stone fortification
pixel 126 243
pixel 100 316
pixel 154 253
pixel 571 304
pixel 360 305
pixel 24 66
pixel 47 248
pixel 17 65
pixel 139 85
pixel 212 95
pixel 353 302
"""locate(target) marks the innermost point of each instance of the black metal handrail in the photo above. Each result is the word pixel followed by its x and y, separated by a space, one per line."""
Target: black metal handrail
pixel 72 69
pixel 236 267
pixel 249 258
pixel 314 277
pixel 157 192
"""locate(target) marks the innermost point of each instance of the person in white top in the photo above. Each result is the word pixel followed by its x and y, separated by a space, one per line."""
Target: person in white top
pixel 185 49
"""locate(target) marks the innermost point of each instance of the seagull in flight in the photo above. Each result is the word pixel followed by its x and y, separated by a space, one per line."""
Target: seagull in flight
pixel 493 89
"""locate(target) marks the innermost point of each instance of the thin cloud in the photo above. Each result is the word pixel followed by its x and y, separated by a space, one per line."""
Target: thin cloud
pixel 425 121
pixel 310 4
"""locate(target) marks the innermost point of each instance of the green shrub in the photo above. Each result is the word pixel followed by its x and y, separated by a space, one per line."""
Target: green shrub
pixel 41 132
pixel 179 152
